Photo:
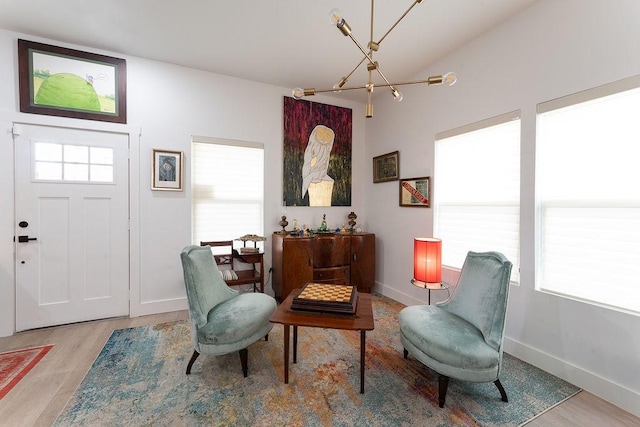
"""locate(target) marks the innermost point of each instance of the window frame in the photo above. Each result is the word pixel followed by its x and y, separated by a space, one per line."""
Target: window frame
pixel 230 143
pixel 578 99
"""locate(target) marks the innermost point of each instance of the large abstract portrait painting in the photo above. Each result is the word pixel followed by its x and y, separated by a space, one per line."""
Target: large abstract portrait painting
pixel 317 154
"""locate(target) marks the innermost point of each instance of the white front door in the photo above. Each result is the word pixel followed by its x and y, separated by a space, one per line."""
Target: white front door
pixel 72 234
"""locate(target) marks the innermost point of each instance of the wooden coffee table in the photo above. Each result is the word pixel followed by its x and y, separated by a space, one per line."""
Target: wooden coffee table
pixel 362 321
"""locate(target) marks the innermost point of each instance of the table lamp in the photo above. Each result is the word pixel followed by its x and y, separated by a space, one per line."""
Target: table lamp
pixel 427 263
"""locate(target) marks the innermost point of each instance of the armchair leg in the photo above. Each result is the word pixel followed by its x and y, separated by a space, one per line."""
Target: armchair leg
pixel 244 356
pixel 501 389
pixel 443 384
pixel 266 337
pixel 194 356
pixel 406 353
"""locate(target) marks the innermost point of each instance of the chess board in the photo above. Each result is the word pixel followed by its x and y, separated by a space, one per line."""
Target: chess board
pixel 326 298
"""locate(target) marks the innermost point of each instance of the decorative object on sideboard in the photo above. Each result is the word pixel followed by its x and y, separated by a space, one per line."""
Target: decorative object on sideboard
pixel 336 18
pixel 352 219
pixel 415 192
pixel 283 223
pixel 323 225
pixel 386 167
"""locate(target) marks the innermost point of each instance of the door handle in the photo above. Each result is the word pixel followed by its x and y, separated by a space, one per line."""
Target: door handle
pixel 25 239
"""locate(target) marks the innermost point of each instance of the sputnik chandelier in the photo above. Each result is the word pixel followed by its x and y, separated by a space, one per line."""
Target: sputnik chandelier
pixel 336 19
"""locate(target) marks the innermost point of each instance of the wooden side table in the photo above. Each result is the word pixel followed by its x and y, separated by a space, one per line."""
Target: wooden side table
pixel 362 321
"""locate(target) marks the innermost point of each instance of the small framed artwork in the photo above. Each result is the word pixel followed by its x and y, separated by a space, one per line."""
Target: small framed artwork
pixel 167 170
pixel 58 81
pixel 415 192
pixel 386 167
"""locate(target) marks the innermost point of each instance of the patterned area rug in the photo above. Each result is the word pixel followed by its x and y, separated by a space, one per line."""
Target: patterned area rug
pixel 139 379
pixel 14 365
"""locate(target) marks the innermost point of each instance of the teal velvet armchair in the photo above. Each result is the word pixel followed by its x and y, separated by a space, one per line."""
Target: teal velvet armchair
pixel 462 337
pixel 223 321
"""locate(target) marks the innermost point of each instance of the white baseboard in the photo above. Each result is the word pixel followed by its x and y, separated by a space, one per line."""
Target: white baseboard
pixel 616 394
pixel 160 306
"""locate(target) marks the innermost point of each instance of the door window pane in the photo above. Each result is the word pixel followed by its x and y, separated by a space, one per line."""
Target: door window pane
pixel 76 154
pixel 48 152
pixel 73 172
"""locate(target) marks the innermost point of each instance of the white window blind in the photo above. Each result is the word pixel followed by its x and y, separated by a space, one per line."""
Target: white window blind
pixel 477 190
pixel 227 187
pixel 588 196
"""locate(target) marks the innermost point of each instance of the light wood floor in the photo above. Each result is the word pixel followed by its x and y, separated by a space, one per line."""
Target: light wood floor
pixel 40 396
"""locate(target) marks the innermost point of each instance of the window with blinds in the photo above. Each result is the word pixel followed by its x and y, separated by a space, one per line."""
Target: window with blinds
pixel 227 183
pixel 588 196
pixel 477 190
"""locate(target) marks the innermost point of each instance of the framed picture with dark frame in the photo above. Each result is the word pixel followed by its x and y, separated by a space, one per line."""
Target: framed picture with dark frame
pixel 386 167
pixel 58 81
pixel 415 192
pixel 167 170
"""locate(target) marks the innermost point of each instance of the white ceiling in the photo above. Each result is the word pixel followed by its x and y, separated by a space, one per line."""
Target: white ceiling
pixel 287 43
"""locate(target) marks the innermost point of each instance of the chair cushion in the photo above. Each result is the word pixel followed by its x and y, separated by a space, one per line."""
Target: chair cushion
pixel 446 338
pixel 236 319
pixel 228 275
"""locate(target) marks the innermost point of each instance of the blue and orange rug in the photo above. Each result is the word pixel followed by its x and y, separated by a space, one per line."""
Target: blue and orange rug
pixel 139 379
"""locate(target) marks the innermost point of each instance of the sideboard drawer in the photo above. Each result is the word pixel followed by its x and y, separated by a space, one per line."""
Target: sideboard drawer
pixel 335 275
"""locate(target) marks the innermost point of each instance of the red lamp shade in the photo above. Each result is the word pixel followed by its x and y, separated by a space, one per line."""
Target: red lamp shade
pixel 427 259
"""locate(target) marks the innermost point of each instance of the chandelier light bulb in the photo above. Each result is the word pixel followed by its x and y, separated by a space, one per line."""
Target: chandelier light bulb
pixel 397 95
pixel 450 78
pixel 335 16
pixel 297 93
pixel 337 88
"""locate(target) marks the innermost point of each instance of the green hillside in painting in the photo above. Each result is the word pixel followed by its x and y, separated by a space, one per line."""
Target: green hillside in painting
pixel 70 91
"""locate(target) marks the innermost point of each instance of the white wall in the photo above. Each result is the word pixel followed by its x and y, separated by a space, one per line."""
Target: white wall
pixel 553 49
pixel 169 104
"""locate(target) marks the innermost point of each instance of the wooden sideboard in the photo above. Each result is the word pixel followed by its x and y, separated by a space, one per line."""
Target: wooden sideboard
pixel 323 258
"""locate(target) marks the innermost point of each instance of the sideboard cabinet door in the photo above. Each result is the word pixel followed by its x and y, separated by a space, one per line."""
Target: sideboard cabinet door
pixel 363 261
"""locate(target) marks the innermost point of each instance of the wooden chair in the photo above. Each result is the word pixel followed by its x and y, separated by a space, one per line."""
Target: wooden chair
pixel 229 260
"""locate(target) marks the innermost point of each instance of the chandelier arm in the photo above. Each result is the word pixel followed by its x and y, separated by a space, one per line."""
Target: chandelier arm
pixel 355 68
pixel 435 80
pixel 415 2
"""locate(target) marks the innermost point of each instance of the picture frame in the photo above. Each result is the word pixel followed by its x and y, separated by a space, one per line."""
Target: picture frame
pixel 386 167
pixel 167 170
pixel 58 81
pixel 415 192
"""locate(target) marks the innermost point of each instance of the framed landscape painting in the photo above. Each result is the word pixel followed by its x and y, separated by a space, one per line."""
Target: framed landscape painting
pixel 57 81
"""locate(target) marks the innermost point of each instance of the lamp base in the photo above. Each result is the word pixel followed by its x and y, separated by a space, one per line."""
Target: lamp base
pixel 428 285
